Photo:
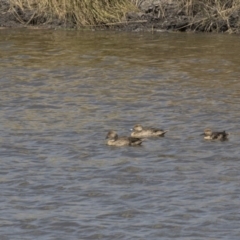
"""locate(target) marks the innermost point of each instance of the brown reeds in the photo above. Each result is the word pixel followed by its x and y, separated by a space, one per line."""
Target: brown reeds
pixel 79 12
pixel 213 15
pixel 199 15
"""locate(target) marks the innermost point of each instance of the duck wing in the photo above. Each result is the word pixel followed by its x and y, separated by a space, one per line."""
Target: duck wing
pixel 219 135
pixel 134 141
pixel 158 131
pixel 155 130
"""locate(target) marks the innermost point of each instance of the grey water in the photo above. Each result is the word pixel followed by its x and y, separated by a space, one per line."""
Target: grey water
pixel 62 91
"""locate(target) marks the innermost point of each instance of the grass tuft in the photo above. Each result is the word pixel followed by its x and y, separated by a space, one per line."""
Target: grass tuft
pixel 213 15
pixel 79 12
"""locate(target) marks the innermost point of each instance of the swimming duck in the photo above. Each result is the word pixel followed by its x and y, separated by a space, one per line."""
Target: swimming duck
pixel 114 140
pixel 141 132
pixel 210 135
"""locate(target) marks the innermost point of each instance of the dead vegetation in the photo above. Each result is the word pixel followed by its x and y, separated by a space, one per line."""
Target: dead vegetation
pixel 78 12
pixel 210 15
pixel 182 15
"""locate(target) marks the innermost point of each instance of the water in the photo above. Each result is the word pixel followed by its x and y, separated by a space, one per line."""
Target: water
pixel 61 91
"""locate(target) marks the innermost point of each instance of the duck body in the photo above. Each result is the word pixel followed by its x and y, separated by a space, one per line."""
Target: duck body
pixel 115 140
pixel 141 132
pixel 210 135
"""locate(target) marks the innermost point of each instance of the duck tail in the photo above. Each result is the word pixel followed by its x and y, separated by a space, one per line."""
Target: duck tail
pixel 163 133
pixel 225 133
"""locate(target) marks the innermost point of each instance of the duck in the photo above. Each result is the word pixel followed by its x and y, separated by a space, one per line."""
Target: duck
pixel 210 135
pixel 115 140
pixel 145 132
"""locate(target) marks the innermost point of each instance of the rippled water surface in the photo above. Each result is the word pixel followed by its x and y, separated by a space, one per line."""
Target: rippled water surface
pixel 60 93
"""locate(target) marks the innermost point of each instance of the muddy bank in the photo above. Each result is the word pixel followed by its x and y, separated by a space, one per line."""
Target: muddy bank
pixel 152 15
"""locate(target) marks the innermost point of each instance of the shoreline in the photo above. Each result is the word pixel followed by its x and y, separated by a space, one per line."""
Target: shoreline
pixel 151 16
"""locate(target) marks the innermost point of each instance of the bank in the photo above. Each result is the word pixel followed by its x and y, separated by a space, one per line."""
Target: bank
pixel 124 15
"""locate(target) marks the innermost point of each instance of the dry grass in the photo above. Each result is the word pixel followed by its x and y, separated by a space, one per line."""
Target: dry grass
pixel 213 15
pixel 202 15
pixel 79 12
